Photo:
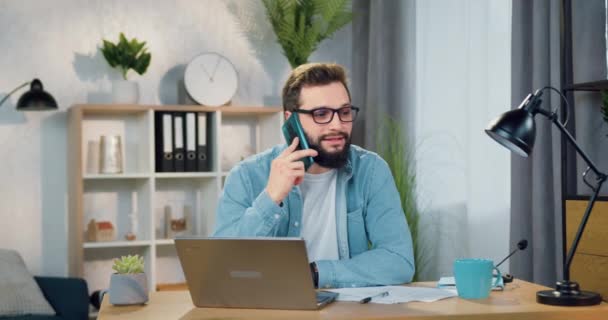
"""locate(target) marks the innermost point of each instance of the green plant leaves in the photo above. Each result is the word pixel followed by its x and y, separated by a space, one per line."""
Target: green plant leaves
pixel 605 106
pixel 392 147
pixel 301 25
pixel 126 55
pixel 129 264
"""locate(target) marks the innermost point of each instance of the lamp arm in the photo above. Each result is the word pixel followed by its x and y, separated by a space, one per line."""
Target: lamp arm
pixel 601 178
pixel 13 91
pixel 581 228
pixel 553 117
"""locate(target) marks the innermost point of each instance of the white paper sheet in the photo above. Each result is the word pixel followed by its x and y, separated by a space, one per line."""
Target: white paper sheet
pixel 450 284
pixel 397 294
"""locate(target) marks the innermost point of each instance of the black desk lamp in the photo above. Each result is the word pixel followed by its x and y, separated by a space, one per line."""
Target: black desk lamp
pixel 516 131
pixel 36 99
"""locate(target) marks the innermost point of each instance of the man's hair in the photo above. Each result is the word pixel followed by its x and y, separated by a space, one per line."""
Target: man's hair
pixel 310 74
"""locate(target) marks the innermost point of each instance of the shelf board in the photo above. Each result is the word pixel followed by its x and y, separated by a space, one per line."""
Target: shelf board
pixel 104 176
pixel 163 242
pixel 239 110
pixel 173 175
pixel 584 197
pixel 139 108
pixel 116 244
pixel 589 86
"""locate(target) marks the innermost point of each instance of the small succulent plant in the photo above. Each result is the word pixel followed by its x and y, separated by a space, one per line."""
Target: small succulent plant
pixel 129 264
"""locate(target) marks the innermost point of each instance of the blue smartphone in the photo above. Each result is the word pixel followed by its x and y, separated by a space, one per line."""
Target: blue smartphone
pixel 291 129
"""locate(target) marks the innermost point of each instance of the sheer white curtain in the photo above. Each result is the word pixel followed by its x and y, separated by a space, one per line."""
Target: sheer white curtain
pixel 442 68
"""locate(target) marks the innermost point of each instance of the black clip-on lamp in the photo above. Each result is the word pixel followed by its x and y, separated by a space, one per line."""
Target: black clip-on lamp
pixel 36 99
pixel 516 131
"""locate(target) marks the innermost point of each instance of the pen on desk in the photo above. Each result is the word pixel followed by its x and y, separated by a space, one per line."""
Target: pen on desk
pixel 379 295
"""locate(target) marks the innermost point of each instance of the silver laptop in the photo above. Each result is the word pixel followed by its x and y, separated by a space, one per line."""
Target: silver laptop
pixel 268 273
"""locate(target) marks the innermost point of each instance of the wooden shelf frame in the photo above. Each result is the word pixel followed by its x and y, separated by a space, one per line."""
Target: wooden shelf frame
pixel 200 188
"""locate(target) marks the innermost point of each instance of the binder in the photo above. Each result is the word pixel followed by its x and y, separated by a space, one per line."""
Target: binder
pixel 202 150
pixel 163 134
pixel 190 137
pixel 178 142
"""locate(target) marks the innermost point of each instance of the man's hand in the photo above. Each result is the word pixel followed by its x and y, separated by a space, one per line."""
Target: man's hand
pixel 287 171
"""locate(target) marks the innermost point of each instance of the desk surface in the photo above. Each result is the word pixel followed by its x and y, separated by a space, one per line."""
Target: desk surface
pixel 518 301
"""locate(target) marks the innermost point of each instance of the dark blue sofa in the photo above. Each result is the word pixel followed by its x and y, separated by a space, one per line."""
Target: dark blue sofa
pixel 68 296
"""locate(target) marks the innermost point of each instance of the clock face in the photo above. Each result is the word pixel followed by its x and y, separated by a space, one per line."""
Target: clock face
pixel 211 79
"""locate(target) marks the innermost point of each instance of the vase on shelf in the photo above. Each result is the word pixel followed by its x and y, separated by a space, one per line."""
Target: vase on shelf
pixel 125 91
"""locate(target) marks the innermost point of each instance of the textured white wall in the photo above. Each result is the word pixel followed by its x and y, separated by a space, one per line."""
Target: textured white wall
pixel 463 52
pixel 58 42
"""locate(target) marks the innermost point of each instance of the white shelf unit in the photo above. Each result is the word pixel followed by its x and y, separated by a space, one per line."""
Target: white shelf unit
pixel 236 132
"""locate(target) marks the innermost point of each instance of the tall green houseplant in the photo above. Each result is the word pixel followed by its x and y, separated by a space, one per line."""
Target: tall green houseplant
pixel 301 25
pixel 392 146
pixel 605 106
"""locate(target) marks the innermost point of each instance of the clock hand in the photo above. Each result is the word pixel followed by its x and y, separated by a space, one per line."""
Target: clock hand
pixel 219 59
pixel 206 72
pixel 214 69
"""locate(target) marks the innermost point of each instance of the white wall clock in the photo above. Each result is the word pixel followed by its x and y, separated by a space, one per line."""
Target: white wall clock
pixel 211 79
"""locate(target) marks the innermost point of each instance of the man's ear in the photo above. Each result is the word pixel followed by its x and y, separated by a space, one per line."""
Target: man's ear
pixel 287 114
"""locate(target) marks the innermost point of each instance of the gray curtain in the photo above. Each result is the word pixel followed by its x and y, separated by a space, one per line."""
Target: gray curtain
pixel 535 181
pixel 383 66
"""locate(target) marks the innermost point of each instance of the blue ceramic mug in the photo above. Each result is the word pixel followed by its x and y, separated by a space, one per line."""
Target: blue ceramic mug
pixel 474 278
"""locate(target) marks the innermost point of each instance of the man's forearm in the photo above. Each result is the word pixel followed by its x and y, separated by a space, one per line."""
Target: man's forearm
pixel 371 268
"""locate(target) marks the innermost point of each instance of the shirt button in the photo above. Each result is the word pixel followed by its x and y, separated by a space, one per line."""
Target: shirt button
pixel 296 224
pixel 277 216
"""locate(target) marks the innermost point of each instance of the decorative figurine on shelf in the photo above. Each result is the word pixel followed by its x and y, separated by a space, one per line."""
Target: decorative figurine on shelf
pixel 111 154
pixel 132 234
pixel 168 217
pixel 93 157
pixel 181 226
pixel 178 225
pixel 188 220
pixel 100 231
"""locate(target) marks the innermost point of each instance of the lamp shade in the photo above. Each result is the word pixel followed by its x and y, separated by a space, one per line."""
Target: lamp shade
pixel 36 99
pixel 515 130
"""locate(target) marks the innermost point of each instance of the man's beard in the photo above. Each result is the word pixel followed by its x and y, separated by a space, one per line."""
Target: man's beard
pixel 333 160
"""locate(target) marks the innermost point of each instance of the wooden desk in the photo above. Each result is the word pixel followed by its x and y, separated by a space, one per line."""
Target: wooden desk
pixel 518 301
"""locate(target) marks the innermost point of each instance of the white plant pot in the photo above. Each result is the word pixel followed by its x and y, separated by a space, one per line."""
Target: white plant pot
pixel 128 289
pixel 124 91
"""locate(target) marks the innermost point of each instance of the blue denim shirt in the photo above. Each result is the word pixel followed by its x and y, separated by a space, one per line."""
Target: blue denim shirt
pixel 368 211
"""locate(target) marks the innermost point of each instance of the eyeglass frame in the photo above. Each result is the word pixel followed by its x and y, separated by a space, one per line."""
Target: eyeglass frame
pixel 333 113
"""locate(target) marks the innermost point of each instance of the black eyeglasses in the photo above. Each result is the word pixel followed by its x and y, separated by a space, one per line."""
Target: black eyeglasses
pixel 325 115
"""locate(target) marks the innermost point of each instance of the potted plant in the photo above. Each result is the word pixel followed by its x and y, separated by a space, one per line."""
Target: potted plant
pixel 392 146
pixel 605 106
pixel 126 55
pixel 128 285
pixel 301 25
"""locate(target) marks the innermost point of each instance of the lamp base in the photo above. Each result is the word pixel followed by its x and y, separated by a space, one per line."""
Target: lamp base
pixel 567 293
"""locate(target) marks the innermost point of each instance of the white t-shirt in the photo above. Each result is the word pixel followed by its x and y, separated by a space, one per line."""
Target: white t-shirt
pixel 319 215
